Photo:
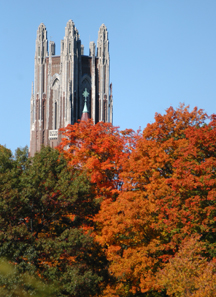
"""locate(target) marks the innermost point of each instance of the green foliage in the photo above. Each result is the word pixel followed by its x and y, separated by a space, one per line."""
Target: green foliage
pixel 14 284
pixel 46 215
pixel 5 159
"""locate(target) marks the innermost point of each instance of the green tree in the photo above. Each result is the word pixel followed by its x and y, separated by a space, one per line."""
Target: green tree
pixel 46 213
pixel 5 159
pixel 16 284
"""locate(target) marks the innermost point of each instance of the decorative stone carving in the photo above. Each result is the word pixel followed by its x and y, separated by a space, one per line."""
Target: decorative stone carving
pixel 53 134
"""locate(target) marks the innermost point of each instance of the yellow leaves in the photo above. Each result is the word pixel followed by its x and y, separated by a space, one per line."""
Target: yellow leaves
pixel 188 273
pixel 133 265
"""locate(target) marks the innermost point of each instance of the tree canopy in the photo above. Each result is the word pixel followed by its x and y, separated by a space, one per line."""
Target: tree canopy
pixel 116 213
pixel 168 194
pixel 46 215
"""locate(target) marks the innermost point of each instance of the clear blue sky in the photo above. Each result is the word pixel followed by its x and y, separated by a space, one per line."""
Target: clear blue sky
pixel 162 52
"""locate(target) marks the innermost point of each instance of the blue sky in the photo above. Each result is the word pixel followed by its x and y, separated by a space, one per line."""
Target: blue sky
pixel 162 52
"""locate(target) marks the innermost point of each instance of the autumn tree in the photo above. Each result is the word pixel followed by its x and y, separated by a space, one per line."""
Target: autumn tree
pixel 46 215
pixel 168 194
pixel 157 191
pixel 98 150
pixel 189 273
pixel 132 244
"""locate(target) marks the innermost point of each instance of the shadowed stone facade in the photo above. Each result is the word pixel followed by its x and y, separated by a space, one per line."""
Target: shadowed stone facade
pixel 59 82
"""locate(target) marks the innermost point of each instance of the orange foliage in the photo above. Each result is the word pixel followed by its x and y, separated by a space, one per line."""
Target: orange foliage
pixel 189 273
pixel 168 193
pixel 162 188
pixel 130 240
pixel 174 165
pixel 99 150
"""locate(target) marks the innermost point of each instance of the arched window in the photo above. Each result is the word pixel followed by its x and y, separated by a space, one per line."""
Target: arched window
pixel 55 108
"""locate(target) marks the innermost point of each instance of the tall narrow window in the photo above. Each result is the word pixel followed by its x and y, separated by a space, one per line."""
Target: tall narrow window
pixel 105 110
pixel 43 137
pixel 69 48
pixel 55 88
pixel 100 111
pixel 55 116
pixel 43 111
pixel 104 79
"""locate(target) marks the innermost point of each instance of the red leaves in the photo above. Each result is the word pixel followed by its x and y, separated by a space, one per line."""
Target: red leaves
pixel 174 164
pixel 170 185
pixel 159 189
pixel 99 150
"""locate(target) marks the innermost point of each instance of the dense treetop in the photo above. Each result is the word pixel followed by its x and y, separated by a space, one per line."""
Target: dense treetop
pixel 115 213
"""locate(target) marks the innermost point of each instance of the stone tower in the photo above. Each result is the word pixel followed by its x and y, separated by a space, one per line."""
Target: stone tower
pixel 59 82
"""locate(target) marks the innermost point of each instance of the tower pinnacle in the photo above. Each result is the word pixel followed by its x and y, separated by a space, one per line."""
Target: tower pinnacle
pixel 85 115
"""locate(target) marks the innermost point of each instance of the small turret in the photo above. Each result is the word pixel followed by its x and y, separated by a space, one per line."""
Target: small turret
pixel 41 44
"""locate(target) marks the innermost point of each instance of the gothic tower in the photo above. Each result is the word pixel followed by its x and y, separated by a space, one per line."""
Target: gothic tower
pixel 60 81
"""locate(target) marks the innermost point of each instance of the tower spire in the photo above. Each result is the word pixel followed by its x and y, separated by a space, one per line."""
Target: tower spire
pixel 85 114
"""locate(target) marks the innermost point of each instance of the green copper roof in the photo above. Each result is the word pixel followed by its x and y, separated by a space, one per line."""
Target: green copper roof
pixel 85 109
pixel 85 94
